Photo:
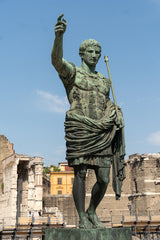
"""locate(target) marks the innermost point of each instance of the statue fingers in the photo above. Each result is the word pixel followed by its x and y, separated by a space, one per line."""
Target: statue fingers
pixel 59 18
pixel 61 23
pixel 60 30
pixel 60 26
pixel 64 21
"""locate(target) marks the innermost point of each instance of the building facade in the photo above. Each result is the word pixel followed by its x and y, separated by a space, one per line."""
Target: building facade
pixel 61 182
pixel 63 166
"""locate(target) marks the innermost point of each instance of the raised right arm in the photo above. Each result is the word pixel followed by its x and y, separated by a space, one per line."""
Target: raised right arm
pixel 61 65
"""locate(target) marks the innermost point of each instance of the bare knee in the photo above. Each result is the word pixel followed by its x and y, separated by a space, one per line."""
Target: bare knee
pixel 80 172
pixel 103 176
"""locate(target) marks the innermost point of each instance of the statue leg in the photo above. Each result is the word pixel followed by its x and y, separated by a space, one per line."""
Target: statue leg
pixel 98 192
pixel 79 195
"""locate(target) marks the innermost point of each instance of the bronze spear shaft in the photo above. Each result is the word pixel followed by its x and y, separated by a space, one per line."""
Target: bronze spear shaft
pixel 116 109
pixel 109 74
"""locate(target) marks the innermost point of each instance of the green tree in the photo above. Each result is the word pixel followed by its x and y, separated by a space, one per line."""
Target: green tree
pixel 55 169
pixel 46 170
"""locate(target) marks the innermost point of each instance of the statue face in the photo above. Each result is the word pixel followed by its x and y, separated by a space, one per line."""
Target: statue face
pixel 91 55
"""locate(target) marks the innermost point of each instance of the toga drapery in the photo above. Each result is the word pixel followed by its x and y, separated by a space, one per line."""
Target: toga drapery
pixel 90 130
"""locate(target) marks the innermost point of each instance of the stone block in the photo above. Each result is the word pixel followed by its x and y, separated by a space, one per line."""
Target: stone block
pixel 88 234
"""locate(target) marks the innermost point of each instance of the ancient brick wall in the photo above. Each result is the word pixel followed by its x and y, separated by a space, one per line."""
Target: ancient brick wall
pixel 65 205
pixel 22 178
pixel 108 208
pixel 6 150
pixel 140 191
pixel 8 198
pixel 145 183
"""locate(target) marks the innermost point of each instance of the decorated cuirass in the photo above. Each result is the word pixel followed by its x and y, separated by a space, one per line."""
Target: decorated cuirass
pixel 88 94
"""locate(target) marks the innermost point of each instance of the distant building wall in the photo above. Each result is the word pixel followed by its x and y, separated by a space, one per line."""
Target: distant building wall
pixel 6 150
pixel 22 179
pixel 107 208
pixel 63 166
pixel 145 183
pixel 140 191
pixel 8 198
pixel 61 182
pixel 46 185
pixel 65 204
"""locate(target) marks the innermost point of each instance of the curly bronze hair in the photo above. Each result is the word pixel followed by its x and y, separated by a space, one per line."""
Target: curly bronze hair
pixel 86 43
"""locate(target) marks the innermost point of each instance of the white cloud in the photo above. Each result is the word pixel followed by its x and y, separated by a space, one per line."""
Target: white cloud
pixel 154 138
pixel 52 103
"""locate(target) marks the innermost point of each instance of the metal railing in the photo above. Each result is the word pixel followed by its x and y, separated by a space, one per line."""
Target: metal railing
pixel 28 228
pixel 143 227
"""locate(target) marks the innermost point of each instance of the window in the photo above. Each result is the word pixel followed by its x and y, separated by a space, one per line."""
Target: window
pixel 59 181
pixel 59 192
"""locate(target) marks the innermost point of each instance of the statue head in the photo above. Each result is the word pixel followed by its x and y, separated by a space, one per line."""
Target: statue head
pixel 86 43
pixel 90 52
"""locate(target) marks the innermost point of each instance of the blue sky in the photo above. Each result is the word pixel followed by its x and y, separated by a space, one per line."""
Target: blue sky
pixel 32 97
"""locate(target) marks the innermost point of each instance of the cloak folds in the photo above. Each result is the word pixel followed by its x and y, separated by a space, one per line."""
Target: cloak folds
pixel 86 137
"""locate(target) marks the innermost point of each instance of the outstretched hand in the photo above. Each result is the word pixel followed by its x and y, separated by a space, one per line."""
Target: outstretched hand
pixel 60 26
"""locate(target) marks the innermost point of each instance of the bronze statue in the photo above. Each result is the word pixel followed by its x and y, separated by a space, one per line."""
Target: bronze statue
pixel 93 128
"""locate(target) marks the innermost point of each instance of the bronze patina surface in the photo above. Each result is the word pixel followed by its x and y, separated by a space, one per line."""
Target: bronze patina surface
pixel 89 234
pixel 93 126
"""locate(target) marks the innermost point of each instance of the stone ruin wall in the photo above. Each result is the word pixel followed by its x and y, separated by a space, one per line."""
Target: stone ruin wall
pixel 6 150
pixel 22 175
pixel 29 185
pixel 140 191
pixel 108 208
pixel 145 183
pixel 65 205
pixel 8 197
pixel 22 184
pixel 22 178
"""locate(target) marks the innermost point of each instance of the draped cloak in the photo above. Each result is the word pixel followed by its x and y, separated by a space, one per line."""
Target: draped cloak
pixel 93 137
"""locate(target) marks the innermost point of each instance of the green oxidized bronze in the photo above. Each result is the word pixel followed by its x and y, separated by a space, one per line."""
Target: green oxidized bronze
pixel 93 126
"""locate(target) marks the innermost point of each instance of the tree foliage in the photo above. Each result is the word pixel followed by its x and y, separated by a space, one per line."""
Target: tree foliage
pixel 55 169
pixel 46 170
